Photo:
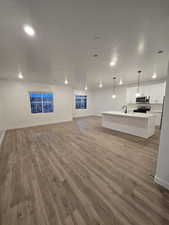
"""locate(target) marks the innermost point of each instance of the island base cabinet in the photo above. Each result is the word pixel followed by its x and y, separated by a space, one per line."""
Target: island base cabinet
pixel 142 127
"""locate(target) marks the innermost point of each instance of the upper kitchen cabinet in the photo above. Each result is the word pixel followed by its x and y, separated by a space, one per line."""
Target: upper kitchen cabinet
pixel 131 95
pixel 155 91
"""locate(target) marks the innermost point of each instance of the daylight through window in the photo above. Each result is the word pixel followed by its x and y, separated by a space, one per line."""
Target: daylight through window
pixel 81 101
pixel 41 102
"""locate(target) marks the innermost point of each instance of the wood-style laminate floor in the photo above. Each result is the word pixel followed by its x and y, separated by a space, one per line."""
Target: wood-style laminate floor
pixel 78 173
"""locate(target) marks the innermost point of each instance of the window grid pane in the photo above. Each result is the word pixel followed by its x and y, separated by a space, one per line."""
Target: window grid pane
pixel 81 102
pixel 41 102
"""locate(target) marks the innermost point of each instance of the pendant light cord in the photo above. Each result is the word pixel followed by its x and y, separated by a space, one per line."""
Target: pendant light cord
pixel 114 88
pixel 138 84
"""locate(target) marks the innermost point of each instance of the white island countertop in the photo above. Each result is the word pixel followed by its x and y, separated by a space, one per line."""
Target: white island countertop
pixel 139 124
pixel 132 114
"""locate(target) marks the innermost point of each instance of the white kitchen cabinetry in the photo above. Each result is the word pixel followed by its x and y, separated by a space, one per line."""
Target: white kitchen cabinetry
pixel 139 124
pixel 157 117
pixel 131 95
pixel 155 91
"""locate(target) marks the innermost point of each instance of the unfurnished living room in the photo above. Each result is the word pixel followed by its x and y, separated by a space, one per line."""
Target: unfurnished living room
pixel 84 112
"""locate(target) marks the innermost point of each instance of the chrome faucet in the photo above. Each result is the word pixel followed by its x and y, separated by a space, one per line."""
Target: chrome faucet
pixel 125 108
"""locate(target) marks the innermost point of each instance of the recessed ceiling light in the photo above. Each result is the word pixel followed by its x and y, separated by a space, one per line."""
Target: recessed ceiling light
pixel 29 30
pixel 160 52
pixel 66 81
pixel 96 37
pixel 154 76
pixel 112 63
pixel 114 96
pixel 20 76
pixel 95 55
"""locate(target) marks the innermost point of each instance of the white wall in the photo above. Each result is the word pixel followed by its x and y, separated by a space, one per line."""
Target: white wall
pixel 16 104
pixel 1 116
pixel 103 101
pixel 162 173
pixel 83 112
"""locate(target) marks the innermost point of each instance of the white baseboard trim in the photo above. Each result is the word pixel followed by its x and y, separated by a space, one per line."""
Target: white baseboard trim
pixel 2 136
pixel 98 114
pixel 161 182
pixel 37 124
pixel 79 116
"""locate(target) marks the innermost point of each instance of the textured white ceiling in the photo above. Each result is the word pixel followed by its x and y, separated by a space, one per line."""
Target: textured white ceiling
pixel 66 40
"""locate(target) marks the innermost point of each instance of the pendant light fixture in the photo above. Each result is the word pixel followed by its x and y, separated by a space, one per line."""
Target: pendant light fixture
pixel 85 83
pixel 100 84
pixel 154 76
pixel 20 76
pixel 138 94
pixel 66 81
pixel 86 88
pixel 120 82
pixel 114 88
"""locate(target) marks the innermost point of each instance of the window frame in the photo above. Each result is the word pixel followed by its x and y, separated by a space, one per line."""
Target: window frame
pixel 42 101
pixel 80 95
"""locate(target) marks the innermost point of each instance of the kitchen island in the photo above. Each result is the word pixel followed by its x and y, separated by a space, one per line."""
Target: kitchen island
pixel 138 124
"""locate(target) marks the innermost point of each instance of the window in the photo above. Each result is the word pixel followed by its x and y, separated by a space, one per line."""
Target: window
pixel 81 102
pixel 41 102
